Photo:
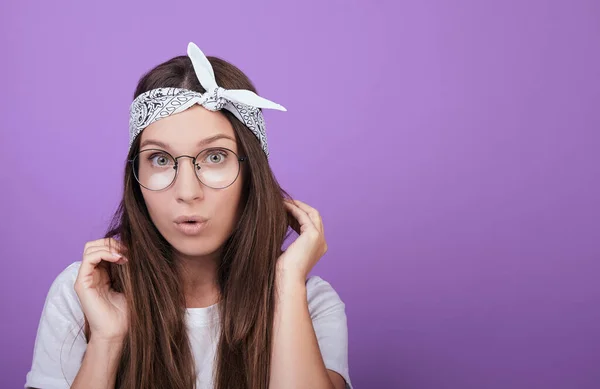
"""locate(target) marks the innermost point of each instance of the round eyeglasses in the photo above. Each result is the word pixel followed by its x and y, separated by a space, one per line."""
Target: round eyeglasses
pixel 215 167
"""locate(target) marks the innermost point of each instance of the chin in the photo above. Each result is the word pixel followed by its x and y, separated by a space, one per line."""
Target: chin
pixel 195 246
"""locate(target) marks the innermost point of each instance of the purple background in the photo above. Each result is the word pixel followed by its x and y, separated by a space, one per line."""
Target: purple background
pixel 451 147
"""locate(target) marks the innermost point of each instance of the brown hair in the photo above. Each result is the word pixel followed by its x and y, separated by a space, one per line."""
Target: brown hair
pixel 157 351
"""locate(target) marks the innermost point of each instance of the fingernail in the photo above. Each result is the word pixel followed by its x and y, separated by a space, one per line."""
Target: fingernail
pixel 116 254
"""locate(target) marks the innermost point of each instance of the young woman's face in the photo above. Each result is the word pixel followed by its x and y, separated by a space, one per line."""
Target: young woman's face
pixel 183 134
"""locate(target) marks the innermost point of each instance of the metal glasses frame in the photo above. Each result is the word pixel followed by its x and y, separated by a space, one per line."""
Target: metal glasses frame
pixel 194 165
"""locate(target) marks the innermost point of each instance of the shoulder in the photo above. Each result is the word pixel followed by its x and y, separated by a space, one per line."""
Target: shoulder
pixel 328 314
pixel 61 295
pixel 65 280
pixel 322 298
pixel 68 275
pixel 59 343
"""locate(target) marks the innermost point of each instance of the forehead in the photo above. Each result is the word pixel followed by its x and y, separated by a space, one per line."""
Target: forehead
pixel 184 130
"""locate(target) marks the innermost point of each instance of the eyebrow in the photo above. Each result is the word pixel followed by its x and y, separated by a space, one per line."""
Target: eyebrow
pixel 203 142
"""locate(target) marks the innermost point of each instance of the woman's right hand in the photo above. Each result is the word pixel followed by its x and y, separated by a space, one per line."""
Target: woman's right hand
pixel 105 309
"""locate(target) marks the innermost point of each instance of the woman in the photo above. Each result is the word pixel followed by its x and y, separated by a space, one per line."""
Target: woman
pixel 190 287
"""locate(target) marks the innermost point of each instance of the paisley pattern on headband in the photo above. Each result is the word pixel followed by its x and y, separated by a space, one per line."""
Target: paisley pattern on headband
pixel 163 102
pixel 253 119
pixel 159 103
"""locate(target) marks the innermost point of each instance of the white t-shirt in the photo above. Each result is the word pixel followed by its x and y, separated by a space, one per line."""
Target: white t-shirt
pixel 60 343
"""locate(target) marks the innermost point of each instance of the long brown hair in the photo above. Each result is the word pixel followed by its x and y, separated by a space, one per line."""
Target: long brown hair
pixel 157 352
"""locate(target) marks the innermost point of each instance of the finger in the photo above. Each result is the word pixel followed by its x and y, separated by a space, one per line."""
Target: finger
pixel 293 222
pixel 104 242
pixel 95 249
pixel 301 216
pixel 314 215
pixel 92 260
pixel 110 243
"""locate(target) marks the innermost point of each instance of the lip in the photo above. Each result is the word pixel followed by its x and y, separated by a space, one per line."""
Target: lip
pixel 185 218
pixel 190 229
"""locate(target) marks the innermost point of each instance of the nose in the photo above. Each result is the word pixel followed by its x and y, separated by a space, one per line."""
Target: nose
pixel 187 186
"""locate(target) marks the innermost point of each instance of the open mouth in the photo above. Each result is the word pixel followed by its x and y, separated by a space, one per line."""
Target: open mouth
pixel 191 227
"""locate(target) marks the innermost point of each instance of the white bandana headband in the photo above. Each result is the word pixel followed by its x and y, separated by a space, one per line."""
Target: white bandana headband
pixel 159 103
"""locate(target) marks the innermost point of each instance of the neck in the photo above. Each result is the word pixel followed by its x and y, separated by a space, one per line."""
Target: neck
pixel 199 279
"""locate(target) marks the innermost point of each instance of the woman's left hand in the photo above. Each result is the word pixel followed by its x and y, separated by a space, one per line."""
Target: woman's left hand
pixel 304 253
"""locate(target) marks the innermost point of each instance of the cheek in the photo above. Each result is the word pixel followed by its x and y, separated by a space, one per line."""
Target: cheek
pixel 227 206
pixel 223 206
pixel 156 204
